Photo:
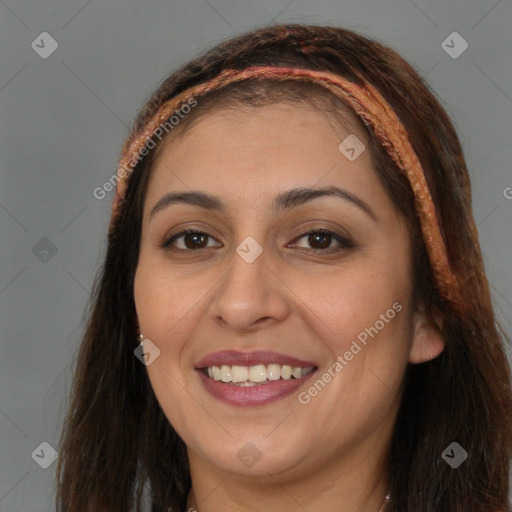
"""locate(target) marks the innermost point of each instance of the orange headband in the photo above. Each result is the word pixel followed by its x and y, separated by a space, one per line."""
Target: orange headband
pixel 367 102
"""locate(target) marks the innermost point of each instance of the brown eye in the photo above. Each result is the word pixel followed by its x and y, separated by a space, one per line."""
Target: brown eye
pixel 320 240
pixel 192 240
pixel 317 240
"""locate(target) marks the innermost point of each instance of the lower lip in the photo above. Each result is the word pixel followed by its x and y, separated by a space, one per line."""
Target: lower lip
pixel 254 395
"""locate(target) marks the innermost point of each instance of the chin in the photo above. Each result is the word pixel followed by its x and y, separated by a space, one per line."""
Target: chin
pixel 252 459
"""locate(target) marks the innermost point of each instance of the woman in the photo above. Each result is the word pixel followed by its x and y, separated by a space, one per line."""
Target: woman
pixel 293 312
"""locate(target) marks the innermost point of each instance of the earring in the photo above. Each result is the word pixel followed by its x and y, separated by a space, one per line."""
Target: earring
pixel 141 338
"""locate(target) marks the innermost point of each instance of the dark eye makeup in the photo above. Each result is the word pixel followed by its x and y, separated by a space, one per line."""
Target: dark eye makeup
pixel 196 240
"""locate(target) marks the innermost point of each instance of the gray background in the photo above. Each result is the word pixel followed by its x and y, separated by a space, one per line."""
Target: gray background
pixel 65 117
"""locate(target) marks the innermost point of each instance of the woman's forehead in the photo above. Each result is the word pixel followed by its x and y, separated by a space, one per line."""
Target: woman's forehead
pixel 283 144
pixel 250 160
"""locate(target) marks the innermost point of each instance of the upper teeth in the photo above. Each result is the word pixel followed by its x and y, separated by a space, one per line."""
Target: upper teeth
pixel 256 374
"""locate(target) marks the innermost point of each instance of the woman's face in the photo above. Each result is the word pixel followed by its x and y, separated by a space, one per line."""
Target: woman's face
pixel 256 297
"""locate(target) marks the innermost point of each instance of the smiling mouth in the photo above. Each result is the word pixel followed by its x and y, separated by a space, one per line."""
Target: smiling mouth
pixel 260 374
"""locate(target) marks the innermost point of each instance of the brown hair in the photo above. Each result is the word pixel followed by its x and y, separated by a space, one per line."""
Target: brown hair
pixel 115 431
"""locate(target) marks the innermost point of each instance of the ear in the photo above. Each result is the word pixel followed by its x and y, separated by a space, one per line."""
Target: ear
pixel 427 342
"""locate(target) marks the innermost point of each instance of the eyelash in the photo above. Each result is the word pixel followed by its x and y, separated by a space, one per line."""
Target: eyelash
pixel 344 242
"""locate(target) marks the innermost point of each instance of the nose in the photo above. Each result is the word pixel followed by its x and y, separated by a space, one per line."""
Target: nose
pixel 249 296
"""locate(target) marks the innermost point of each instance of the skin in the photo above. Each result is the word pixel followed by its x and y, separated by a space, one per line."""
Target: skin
pixel 326 455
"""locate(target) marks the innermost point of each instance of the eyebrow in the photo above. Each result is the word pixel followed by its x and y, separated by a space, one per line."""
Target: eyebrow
pixel 284 201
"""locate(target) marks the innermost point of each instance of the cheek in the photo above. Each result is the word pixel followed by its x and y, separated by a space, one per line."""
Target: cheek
pixel 165 308
pixel 369 343
pixel 164 302
pixel 363 319
pixel 344 303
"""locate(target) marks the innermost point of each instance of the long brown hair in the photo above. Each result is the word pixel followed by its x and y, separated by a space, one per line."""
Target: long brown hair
pixel 115 432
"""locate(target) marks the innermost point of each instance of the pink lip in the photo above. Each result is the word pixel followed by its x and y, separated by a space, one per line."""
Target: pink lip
pixel 233 357
pixel 254 395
